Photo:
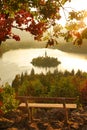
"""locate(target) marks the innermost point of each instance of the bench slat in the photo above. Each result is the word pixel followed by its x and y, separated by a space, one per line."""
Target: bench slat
pixel 71 105
pixel 46 105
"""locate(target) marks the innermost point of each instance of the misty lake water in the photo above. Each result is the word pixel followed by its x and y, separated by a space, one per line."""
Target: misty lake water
pixel 15 62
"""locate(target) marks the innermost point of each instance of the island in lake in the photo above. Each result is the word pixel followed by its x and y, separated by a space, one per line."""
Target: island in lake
pixel 45 61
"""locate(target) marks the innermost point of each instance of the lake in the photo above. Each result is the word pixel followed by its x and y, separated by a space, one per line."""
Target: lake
pixel 17 61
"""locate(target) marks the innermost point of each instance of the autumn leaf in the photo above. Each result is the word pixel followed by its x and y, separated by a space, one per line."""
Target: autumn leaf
pixel 78 41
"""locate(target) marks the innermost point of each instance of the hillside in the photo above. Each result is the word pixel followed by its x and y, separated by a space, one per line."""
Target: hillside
pixel 27 41
pixel 69 47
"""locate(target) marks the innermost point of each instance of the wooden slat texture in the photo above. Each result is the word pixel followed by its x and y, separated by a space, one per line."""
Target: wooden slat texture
pixel 61 99
pixel 71 105
pixel 46 105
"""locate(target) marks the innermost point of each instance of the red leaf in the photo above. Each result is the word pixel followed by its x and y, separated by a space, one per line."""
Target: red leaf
pixel 16 37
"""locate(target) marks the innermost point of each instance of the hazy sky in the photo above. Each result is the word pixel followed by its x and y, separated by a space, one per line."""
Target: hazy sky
pixel 74 5
pixel 79 4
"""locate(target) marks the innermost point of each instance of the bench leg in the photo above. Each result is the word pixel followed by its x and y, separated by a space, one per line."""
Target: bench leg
pixel 66 114
pixel 67 118
pixel 30 114
pixel 27 108
pixel 66 111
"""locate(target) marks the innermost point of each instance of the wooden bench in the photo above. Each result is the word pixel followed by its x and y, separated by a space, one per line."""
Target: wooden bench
pixel 47 102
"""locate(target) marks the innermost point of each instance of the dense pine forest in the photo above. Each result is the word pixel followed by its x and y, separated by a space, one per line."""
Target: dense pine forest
pixel 59 84
pixel 56 84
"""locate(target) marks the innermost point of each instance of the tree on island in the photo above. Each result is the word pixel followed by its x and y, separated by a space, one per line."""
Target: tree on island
pixel 45 61
pixel 37 17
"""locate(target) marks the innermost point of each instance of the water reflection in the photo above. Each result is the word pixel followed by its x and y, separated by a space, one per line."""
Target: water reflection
pixel 18 61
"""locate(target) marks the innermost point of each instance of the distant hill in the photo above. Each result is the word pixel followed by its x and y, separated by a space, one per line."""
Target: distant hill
pixel 27 41
pixel 69 47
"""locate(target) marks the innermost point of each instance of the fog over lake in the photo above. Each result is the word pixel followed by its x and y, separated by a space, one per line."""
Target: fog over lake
pixel 17 61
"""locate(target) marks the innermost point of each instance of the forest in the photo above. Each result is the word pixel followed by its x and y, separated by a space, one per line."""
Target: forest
pixel 56 84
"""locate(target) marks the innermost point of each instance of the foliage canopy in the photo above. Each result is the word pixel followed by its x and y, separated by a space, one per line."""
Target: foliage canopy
pixel 37 16
pixel 56 84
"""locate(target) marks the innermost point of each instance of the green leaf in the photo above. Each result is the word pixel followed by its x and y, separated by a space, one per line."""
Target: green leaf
pixel 68 37
pixel 64 1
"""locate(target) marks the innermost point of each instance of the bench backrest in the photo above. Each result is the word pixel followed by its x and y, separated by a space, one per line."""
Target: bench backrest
pixel 46 99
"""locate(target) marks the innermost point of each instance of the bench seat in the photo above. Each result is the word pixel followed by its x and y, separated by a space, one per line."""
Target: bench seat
pixel 48 105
